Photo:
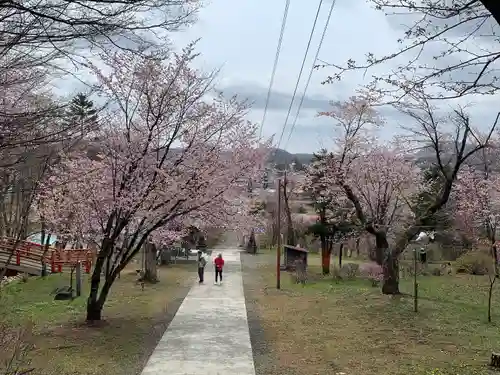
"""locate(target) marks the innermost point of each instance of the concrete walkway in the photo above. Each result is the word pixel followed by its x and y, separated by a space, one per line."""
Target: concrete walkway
pixel 209 334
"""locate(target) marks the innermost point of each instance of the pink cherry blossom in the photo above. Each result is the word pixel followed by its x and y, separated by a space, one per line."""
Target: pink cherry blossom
pixel 382 179
pixel 372 271
pixel 168 157
pixel 477 201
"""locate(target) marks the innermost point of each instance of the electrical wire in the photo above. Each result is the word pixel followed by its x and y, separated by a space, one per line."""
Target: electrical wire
pixel 300 72
pixel 275 65
pixel 310 73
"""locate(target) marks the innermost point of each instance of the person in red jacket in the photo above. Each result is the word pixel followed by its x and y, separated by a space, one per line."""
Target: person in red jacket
pixel 219 264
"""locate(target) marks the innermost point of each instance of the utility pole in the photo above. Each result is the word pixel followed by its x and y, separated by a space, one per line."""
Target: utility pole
pixel 285 201
pixel 278 250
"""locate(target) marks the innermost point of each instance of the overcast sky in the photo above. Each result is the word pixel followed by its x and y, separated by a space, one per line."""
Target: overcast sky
pixel 241 37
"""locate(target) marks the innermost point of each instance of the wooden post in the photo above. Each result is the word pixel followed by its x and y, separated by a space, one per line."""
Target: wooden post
pixel 278 249
pixel 415 284
pixel 78 277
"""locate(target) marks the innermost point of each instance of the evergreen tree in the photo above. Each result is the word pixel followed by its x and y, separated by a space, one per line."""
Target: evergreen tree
pixel 82 114
pixel 334 220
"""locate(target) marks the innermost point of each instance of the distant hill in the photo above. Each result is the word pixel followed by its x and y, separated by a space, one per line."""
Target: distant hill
pixel 427 157
pixel 282 157
pixel 424 157
pixel 277 157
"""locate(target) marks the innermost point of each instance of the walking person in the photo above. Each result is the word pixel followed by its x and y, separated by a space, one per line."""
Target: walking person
pixel 219 264
pixel 202 262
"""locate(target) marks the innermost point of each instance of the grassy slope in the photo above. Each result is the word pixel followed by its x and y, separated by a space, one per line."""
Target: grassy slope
pixel 135 320
pixel 329 328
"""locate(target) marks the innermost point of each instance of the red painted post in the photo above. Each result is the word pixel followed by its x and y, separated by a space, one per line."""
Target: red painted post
pixel 18 257
pixel 87 267
pixel 59 267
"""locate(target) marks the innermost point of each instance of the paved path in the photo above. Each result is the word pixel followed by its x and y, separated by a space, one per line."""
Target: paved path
pixel 209 334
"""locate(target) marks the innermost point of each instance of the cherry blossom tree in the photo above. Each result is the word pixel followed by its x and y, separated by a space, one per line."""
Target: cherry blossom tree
pixel 378 182
pixel 289 186
pixel 316 185
pixel 477 197
pixel 168 156
pixel 384 179
pixel 478 204
pixel 335 219
pixel 33 130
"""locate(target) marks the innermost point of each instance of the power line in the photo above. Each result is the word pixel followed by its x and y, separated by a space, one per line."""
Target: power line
pixel 275 65
pixel 300 72
pixel 311 72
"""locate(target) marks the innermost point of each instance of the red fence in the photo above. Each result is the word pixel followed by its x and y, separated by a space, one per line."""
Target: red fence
pixel 55 257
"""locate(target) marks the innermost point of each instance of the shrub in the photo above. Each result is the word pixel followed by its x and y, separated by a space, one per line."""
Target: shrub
pixel 373 272
pixel 350 270
pixel 440 269
pixel 474 263
pixel 437 271
pixel 336 273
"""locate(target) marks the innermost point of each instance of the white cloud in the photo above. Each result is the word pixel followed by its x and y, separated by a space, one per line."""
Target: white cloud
pixel 240 37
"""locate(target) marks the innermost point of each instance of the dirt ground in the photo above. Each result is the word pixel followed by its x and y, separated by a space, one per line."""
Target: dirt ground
pixel 348 327
pixel 135 320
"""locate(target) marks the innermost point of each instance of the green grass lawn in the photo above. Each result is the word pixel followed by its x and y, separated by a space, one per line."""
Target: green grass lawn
pixel 64 344
pixel 348 327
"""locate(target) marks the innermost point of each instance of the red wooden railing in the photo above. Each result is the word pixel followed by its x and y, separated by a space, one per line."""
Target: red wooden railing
pixel 57 258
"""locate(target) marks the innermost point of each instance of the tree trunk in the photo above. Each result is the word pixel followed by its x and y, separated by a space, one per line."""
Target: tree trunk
pixel 94 311
pixel 45 242
pixel 341 250
pixel 381 247
pixel 325 261
pixel 150 269
pixel 97 298
pixel 326 252
pixel 391 274
pixel 94 306
pixel 494 253
pixel 490 295
pixel 357 247
pixel 389 260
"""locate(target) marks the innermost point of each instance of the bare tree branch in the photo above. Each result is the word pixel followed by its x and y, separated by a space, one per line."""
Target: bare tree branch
pixel 466 34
